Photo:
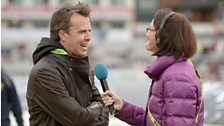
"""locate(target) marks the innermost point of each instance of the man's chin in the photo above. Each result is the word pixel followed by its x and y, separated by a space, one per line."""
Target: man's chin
pixel 80 55
pixel 83 55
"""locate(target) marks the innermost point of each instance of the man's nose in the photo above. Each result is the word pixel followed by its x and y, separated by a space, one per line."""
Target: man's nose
pixel 88 36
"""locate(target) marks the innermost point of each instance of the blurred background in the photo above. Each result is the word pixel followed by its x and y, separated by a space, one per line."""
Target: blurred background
pixel 118 40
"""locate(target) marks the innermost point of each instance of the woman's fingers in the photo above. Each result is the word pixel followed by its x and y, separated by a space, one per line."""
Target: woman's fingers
pixel 107 100
pixel 111 98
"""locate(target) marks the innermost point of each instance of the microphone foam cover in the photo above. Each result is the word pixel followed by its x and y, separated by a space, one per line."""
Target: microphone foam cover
pixel 100 71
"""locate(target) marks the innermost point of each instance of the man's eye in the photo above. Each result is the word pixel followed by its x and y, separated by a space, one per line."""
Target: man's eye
pixel 82 31
pixel 85 31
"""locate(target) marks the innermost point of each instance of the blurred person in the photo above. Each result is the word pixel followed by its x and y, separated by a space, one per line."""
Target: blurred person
pixel 22 50
pixel 9 101
pixel 61 89
pixel 176 92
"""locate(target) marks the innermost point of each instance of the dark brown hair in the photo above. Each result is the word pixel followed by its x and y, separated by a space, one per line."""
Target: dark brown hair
pixel 177 37
pixel 60 20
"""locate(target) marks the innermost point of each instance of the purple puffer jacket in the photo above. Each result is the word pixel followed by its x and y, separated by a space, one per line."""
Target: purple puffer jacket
pixel 175 96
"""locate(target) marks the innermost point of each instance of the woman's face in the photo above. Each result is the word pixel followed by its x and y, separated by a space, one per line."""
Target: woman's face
pixel 150 35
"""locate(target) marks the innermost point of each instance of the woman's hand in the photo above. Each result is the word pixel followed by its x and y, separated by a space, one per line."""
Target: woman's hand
pixel 111 98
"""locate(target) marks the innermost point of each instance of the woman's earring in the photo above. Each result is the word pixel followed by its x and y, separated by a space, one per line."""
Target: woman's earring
pixel 157 41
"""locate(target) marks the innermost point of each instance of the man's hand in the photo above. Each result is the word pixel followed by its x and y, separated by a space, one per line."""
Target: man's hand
pixel 95 105
pixel 102 112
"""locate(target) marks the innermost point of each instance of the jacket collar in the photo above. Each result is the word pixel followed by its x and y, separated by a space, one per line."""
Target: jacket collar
pixel 163 62
pixel 45 46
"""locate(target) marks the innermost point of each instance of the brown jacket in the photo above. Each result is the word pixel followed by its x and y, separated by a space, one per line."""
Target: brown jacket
pixel 60 93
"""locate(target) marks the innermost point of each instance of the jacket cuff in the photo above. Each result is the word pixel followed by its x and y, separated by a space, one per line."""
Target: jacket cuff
pixel 118 113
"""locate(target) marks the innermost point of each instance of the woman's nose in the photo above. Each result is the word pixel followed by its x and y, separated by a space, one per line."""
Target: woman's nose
pixel 146 34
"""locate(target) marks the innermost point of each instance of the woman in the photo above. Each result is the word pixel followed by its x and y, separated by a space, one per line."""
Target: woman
pixel 175 98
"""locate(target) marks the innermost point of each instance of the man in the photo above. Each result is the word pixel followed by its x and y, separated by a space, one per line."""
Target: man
pixel 61 90
pixel 9 101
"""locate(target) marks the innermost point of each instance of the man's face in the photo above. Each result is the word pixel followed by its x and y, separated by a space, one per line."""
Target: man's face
pixel 76 40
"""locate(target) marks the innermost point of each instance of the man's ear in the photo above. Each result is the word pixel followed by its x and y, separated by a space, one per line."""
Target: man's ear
pixel 62 34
